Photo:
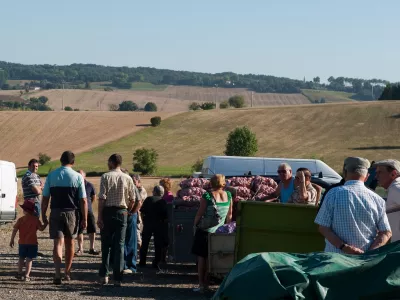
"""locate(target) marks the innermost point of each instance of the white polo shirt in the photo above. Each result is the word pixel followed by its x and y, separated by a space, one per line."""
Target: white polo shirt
pixel 393 200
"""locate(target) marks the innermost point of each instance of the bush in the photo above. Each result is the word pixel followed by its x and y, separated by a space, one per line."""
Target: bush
pixel 194 106
pixel 224 104
pixel 145 161
pixel 68 108
pixel 76 109
pixel 127 106
pixel 155 121
pixel 241 142
pixel 198 165
pixel 150 106
pixel 44 158
pixel 208 105
pixel 108 89
pixel 236 101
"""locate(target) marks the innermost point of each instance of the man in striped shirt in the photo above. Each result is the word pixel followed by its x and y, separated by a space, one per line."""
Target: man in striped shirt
pixel 32 185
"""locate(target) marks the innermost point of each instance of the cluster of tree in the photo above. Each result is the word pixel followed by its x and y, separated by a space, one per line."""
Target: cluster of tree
pixel 69 108
pixel 203 106
pixel 391 92
pixel 33 103
pixel 132 106
pixel 52 76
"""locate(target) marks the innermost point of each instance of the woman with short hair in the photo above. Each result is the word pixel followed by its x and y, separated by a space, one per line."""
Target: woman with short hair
pixel 223 204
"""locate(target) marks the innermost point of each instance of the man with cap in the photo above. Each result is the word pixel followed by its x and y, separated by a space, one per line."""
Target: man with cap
pixel 353 218
pixel 388 175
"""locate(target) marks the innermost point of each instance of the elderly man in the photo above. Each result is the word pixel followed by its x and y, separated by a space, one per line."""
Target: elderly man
pixel 32 185
pixel 116 198
pixel 352 218
pixel 91 221
pixel 304 192
pixel 155 222
pixel 68 195
pixel 388 175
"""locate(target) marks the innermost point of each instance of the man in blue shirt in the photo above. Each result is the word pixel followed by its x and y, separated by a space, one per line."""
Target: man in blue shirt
pixel 66 189
pixel 353 218
pixel 91 221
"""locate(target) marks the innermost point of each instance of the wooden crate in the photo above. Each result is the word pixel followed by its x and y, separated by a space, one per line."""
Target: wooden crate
pixel 221 253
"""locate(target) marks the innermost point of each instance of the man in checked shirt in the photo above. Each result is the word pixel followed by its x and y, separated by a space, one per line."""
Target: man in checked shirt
pixel 353 218
pixel 116 198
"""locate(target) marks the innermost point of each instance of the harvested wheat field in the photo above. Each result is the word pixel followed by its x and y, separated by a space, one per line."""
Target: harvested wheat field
pixel 172 99
pixel 25 134
pixel 330 132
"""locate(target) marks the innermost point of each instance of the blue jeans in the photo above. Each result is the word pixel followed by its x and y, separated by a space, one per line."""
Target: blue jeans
pixel 131 241
pixel 37 208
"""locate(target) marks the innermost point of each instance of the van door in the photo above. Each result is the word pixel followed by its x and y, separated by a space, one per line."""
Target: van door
pixel 8 193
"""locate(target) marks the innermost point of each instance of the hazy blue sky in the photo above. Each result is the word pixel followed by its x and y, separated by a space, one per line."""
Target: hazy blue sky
pixel 353 38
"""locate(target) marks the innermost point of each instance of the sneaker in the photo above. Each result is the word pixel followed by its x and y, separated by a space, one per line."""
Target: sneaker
pixel 94 252
pixel 27 279
pixel 57 281
pixel 104 280
pixel 117 283
pixel 127 272
pixel 19 276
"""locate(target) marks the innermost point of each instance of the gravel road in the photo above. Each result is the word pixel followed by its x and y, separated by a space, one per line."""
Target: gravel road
pixel 176 282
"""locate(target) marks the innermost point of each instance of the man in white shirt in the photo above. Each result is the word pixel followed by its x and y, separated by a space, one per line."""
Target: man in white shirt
pixel 388 175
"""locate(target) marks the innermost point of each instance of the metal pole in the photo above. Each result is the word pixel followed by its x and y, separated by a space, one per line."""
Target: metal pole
pixel 252 93
pixel 62 104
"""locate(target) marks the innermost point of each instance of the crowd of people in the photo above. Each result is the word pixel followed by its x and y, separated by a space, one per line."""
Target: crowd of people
pixel 351 216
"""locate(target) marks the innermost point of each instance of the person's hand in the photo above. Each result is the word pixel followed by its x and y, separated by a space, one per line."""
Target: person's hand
pixel 301 176
pixel 100 223
pixel 45 222
pixel 12 243
pixel 83 224
pixel 194 230
pixel 352 250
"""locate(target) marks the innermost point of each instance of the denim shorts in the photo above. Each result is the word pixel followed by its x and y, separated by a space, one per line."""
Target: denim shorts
pixel 28 251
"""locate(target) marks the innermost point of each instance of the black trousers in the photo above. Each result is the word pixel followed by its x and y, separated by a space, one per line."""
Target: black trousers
pixel 160 232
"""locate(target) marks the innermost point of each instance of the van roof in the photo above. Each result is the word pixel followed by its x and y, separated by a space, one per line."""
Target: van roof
pixel 7 163
pixel 272 158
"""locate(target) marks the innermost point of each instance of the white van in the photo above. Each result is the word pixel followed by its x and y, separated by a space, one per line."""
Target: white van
pixel 8 192
pixel 263 166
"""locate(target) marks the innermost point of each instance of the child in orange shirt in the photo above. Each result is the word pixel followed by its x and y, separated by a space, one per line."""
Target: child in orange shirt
pixel 28 243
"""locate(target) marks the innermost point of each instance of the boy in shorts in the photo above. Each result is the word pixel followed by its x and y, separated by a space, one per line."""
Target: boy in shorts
pixel 27 227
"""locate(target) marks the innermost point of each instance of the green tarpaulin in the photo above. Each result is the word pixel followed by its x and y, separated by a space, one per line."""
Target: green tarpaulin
pixel 278 275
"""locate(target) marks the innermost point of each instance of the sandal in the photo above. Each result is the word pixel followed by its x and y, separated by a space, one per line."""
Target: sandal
pixel 27 279
pixel 79 253
pixel 67 277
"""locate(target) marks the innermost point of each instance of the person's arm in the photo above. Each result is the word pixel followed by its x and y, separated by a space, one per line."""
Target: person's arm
pixel 37 189
pixel 303 195
pixel 83 201
pixel 101 202
pixel 384 231
pixel 393 209
pixel 12 241
pixel 200 211
pixel 337 242
pixel 134 200
pixel 229 215
pixel 93 195
pixel 45 199
pixel 381 239
pixel 41 226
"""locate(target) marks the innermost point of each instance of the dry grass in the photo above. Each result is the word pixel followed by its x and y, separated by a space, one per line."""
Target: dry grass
pixel 25 134
pixel 331 131
pixel 172 99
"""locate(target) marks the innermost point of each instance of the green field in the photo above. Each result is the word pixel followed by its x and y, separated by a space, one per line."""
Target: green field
pixel 136 86
pixel 329 131
pixel 329 96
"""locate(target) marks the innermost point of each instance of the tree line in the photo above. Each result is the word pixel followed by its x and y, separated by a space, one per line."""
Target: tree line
pixel 52 76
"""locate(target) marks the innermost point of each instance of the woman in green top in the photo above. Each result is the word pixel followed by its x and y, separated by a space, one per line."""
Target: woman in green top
pixel 223 201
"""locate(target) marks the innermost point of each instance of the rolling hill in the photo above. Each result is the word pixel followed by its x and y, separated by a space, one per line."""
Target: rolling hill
pixel 171 99
pixel 24 134
pixel 330 132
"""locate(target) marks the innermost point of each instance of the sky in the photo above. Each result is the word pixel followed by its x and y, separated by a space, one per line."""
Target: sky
pixel 286 38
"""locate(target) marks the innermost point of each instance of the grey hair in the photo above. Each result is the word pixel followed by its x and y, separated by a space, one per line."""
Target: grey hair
pixel 359 171
pixel 158 190
pixel 285 166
